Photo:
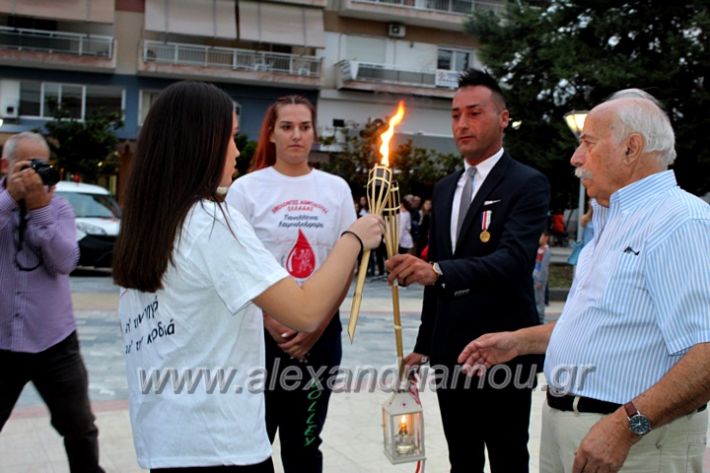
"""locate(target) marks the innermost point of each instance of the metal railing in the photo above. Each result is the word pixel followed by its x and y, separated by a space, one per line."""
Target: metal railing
pixel 64 42
pixel 368 71
pixel 351 70
pixel 232 58
pixel 448 6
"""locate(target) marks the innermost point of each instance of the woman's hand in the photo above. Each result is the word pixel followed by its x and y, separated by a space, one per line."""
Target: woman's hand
pixel 278 331
pixel 369 229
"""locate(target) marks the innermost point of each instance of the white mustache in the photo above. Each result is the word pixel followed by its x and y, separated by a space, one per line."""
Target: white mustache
pixel 582 173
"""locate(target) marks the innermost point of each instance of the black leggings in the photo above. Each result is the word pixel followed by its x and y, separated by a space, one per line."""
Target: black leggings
pixel 298 411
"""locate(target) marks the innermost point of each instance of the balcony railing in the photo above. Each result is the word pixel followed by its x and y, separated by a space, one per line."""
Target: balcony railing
pixel 63 42
pixel 462 7
pixel 231 58
pixel 388 73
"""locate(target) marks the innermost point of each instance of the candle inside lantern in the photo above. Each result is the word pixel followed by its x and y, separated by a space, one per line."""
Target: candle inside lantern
pixel 404 442
pixel 403 425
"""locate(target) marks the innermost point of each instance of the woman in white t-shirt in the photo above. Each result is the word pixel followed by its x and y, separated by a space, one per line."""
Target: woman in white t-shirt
pixel 298 213
pixel 190 268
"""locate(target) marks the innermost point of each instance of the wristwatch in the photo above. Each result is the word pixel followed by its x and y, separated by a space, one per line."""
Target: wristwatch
pixel 437 269
pixel 439 274
pixel 638 423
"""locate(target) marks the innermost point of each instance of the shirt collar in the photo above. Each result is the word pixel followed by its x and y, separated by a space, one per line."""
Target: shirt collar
pixel 484 167
pixel 637 193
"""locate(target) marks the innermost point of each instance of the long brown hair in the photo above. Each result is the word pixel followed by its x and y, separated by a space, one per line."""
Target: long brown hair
pixel 179 160
pixel 265 154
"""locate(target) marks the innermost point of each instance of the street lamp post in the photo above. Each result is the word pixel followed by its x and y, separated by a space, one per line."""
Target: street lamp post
pixel 575 122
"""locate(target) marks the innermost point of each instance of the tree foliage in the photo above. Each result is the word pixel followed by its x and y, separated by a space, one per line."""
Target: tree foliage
pixel 416 169
pixel 246 151
pixel 84 148
pixel 574 54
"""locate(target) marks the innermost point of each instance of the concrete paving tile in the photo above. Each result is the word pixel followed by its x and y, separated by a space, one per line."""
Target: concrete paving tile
pixel 352 434
pixel 18 447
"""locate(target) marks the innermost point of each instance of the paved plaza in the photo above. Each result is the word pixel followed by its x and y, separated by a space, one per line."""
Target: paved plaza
pixel 352 435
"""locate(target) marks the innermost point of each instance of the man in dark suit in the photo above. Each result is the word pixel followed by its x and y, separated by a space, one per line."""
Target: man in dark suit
pixel 485 226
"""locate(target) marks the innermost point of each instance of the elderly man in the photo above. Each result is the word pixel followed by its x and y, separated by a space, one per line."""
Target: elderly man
pixel 628 362
pixel 38 341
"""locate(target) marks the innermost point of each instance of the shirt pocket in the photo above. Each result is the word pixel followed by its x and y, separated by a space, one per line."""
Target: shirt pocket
pixel 626 283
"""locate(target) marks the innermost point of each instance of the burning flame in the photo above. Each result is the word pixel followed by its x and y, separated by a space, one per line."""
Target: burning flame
pixel 387 135
pixel 403 421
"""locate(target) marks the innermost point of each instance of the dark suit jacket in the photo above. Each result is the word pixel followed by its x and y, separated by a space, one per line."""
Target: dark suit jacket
pixel 486 287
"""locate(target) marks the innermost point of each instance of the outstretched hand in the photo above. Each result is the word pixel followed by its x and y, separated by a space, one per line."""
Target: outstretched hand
pixel 488 350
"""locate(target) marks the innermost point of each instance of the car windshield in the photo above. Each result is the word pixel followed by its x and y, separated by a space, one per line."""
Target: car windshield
pixel 92 205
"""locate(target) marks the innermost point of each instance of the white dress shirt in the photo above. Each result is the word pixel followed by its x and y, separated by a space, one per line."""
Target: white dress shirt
pixel 482 171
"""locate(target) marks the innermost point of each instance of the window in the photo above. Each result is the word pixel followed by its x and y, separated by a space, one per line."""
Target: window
pixel 41 99
pixel 109 99
pixel 147 98
pixel 50 92
pixel 70 100
pixel 30 98
pixel 453 59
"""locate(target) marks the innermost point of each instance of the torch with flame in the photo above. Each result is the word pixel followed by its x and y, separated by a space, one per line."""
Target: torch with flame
pixel 391 216
pixel 378 193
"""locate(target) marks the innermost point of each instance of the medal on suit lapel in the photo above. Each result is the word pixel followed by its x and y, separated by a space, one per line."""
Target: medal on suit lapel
pixel 485 222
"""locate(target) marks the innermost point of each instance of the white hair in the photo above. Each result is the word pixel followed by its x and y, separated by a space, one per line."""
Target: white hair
pixel 8 149
pixel 635 93
pixel 637 113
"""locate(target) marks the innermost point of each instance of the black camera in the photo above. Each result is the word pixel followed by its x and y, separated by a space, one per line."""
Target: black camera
pixel 47 173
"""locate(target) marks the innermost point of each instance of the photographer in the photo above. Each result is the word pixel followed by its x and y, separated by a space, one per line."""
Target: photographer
pixel 38 340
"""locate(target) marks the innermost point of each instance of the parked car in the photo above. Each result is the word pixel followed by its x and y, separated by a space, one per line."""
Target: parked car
pixel 98 218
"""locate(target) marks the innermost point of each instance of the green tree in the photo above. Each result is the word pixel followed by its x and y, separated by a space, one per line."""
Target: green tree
pixel 416 169
pixel 246 151
pixel 86 148
pixel 573 54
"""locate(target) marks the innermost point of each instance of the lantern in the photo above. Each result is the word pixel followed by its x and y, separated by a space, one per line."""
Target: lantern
pixel 403 428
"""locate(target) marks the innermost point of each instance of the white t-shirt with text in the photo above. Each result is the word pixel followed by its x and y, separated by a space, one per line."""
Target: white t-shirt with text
pixel 298 219
pixel 195 349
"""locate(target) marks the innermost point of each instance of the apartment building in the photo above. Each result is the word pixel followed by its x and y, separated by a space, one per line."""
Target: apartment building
pixel 353 58
pixel 82 55
pixel 380 51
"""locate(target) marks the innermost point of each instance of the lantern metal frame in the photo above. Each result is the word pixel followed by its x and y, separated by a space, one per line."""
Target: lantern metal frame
pixel 403 428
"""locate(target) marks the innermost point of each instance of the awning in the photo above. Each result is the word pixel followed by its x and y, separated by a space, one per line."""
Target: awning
pixel 281 24
pixel 97 11
pixel 212 18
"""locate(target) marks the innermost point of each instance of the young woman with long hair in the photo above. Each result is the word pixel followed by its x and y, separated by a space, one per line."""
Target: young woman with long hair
pixel 299 214
pixel 190 268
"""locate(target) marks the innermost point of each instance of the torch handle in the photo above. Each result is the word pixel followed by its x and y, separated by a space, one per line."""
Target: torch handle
pixel 357 295
pixel 392 240
pixel 398 331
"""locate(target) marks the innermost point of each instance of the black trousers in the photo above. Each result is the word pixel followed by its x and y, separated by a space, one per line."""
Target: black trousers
pixel 496 420
pixel 60 377
pixel 298 409
pixel 264 467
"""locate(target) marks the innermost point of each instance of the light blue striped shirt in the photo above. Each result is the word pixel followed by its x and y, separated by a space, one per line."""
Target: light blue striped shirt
pixel 641 294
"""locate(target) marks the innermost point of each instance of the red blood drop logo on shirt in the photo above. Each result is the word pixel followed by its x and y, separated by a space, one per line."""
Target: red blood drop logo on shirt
pixel 301 261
